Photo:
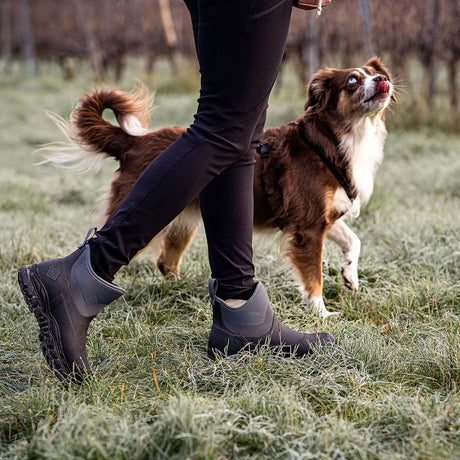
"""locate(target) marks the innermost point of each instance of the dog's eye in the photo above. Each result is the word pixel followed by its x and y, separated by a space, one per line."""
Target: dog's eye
pixel 352 80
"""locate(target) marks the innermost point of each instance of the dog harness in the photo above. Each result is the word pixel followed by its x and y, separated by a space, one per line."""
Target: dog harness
pixel 339 172
pixel 264 151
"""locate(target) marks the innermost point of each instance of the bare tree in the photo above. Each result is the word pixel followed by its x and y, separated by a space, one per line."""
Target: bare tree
pixel 170 32
pixel 5 14
pixel 451 49
pixel 369 46
pixel 430 49
pixel 28 43
pixel 90 40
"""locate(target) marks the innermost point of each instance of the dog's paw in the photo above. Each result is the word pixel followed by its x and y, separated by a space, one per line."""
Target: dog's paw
pixel 317 306
pixel 168 272
pixel 350 275
pixel 330 314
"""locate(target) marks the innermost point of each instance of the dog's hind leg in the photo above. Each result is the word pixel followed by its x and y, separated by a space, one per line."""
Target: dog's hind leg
pixel 350 244
pixel 175 239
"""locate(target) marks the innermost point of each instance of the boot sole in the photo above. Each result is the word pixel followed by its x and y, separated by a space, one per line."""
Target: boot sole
pixel 36 298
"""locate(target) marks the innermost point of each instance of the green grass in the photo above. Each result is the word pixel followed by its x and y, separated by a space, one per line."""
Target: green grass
pixel 389 390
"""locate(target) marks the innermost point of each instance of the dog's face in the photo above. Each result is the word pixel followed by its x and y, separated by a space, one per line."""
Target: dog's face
pixel 359 91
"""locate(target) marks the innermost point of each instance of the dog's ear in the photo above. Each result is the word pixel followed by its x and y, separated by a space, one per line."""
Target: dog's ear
pixel 376 63
pixel 319 91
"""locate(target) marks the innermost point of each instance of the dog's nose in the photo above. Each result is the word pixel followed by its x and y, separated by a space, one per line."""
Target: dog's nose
pixel 379 78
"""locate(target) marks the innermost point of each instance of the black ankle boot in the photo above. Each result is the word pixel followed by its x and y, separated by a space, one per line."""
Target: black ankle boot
pixel 65 295
pixel 255 323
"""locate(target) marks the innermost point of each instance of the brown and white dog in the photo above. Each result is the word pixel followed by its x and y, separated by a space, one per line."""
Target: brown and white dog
pixel 309 176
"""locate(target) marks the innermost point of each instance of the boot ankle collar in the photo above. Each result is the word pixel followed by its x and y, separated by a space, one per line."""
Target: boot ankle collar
pixel 252 313
pixel 90 291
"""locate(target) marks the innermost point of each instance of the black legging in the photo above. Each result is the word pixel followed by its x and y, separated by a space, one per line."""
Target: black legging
pixel 239 44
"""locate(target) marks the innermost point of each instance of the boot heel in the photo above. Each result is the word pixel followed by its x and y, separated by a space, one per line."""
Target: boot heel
pixel 27 289
pixel 49 333
pixel 222 343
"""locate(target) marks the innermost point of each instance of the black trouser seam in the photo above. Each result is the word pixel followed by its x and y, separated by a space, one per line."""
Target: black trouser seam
pixel 263 13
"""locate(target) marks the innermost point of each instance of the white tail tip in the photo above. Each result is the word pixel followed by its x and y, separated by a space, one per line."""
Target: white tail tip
pixel 130 124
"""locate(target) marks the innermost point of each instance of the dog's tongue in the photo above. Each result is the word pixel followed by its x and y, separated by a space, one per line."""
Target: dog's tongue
pixel 383 87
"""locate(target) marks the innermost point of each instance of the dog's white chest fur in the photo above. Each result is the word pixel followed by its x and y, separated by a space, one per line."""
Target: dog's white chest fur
pixel 363 146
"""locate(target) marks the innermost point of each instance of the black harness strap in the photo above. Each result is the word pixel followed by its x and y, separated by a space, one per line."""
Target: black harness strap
pixel 264 151
pixel 340 174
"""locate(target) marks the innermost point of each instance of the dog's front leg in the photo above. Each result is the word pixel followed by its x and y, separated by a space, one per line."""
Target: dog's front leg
pixel 305 252
pixel 350 244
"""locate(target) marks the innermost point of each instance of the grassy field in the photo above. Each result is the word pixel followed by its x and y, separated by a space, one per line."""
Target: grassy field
pixel 389 390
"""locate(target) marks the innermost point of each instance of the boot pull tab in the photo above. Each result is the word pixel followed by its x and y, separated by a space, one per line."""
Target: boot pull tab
pixel 90 234
pixel 213 284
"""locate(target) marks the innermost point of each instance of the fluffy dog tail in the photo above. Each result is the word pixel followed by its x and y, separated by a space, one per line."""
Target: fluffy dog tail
pixel 90 138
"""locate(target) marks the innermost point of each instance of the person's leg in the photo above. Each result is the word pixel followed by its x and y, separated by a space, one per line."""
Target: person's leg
pixel 239 44
pixel 229 222
pixel 227 208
